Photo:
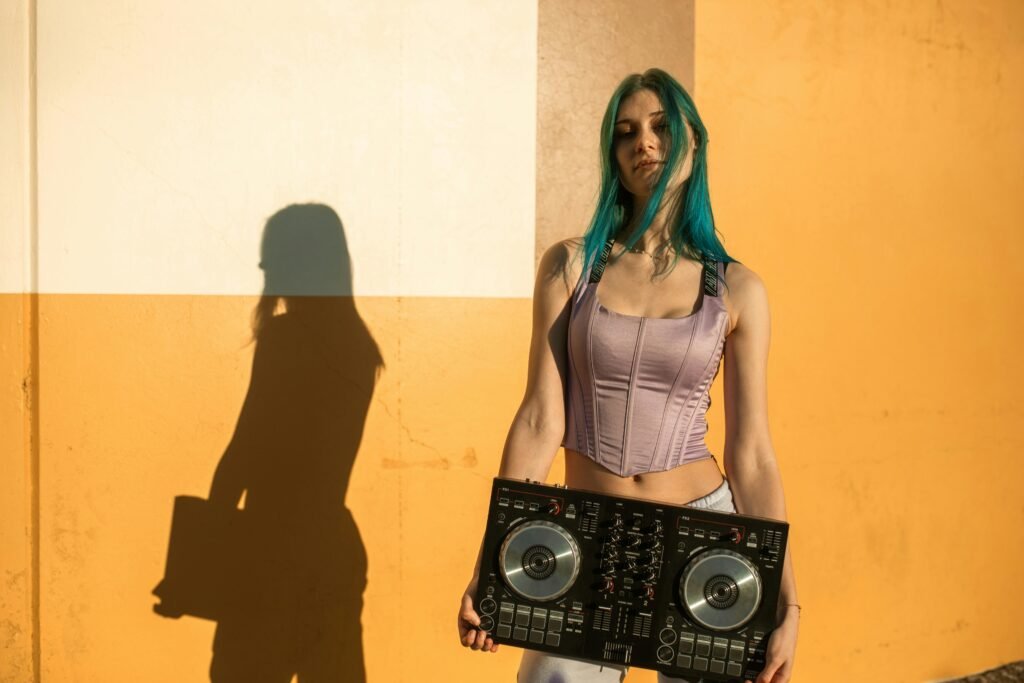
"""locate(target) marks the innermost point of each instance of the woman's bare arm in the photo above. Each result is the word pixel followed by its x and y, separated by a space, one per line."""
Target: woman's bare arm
pixel 538 426
pixel 537 429
pixel 749 457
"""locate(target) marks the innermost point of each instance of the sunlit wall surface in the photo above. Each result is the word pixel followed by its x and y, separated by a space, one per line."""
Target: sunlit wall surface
pixel 369 184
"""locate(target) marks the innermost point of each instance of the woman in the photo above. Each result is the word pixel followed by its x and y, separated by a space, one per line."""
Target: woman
pixel 627 341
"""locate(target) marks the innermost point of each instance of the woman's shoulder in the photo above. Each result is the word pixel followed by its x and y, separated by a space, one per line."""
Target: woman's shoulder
pixel 562 263
pixel 741 275
pixel 745 292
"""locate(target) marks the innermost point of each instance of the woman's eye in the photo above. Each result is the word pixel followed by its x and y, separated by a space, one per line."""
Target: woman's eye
pixel 623 134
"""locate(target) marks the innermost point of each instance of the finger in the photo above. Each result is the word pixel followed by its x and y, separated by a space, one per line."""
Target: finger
pixel 481 638
pixel 470 639
pixel 471 617
pixel 769 672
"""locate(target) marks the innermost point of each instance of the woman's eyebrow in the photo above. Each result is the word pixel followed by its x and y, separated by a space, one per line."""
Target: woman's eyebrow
pixel 653 113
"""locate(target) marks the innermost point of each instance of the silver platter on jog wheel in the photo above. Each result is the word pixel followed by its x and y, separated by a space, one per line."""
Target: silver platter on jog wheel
pixel 539 560
pixel 721 589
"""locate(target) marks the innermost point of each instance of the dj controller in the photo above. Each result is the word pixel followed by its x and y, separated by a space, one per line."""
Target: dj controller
pixel 687 591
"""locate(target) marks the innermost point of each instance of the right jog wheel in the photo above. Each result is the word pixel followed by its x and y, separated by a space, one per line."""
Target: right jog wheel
pixel 721 589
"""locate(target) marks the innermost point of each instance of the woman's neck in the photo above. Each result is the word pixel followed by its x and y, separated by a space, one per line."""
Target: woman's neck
pixel 658 234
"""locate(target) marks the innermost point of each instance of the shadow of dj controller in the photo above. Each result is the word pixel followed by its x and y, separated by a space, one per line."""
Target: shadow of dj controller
pixel 686 591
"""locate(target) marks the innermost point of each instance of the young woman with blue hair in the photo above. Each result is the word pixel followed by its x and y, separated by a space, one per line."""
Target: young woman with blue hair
pixel 631 323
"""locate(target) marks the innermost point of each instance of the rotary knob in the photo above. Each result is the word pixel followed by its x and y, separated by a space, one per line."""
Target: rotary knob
pixel 608 585
pixel 486 623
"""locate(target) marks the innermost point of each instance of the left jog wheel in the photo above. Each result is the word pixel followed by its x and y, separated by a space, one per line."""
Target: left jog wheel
pixel 539 560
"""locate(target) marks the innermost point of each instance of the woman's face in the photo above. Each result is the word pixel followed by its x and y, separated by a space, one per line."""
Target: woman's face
pixel 642 144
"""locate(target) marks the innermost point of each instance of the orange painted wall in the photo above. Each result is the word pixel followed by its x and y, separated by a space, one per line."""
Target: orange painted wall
pixel 140 397
pixel 16 487
pixel 866 162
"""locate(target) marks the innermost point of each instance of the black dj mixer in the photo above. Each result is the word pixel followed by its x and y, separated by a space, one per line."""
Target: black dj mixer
pixel 687 591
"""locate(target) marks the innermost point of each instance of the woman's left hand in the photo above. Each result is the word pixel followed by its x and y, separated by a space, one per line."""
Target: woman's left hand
pixel 781 649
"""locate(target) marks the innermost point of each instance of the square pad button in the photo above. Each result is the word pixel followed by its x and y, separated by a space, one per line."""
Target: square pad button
pixel 553 639
pixel 700 663
pixel 520 633
pixel 536 636
pixel 734 669
pixel 504 631
pixel 685 661
pixel 721 648
pixel 507 613
pixel 717 666
pixel 523 615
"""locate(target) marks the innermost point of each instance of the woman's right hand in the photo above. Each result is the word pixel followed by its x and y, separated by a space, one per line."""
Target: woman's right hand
pixel 470 635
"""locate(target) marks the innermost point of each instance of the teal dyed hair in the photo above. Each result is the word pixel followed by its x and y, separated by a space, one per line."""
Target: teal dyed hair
pixel 693 225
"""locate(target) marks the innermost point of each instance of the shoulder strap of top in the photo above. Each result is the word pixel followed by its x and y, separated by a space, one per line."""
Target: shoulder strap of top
pixel 710 276
pixel 711 269
pixel 602 260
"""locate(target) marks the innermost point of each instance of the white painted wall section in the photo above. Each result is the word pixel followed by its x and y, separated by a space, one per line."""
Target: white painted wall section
pixel 169 133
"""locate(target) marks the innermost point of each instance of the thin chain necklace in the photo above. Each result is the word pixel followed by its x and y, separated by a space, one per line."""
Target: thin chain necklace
pixel 636 250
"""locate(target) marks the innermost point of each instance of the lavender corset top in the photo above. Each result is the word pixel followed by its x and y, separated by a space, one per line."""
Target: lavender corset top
pixel 637 387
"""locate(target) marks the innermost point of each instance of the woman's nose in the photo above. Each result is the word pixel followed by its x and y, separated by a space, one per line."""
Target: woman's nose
pixel 646 140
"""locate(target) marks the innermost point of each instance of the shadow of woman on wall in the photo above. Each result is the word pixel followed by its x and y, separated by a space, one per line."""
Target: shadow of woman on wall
pixel 284 576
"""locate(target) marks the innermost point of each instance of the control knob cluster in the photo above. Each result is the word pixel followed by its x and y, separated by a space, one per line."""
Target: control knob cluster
pixel 633 548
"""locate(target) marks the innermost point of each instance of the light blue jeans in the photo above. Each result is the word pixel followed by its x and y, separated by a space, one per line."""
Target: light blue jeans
pixel 543 667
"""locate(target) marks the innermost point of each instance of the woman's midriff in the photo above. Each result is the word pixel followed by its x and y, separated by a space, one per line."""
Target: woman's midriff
pixel 677 486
